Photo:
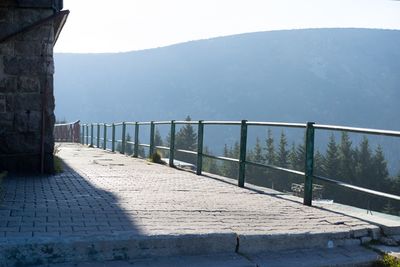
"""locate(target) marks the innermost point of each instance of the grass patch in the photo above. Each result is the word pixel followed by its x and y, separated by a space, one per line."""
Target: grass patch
pixel 58 166
pixel 387 261
pixel 156 158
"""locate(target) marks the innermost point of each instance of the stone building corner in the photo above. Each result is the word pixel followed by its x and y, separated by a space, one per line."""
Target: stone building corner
pixel 28 32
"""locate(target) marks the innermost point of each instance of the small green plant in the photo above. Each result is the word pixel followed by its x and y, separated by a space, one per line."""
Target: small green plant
pixel 58 167
pixel 387 261
pixel 156 158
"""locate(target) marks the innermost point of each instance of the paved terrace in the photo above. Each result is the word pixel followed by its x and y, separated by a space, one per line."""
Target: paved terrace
pixel 107 206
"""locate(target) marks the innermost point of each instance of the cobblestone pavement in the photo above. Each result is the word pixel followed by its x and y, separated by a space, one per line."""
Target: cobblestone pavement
pixel 102 193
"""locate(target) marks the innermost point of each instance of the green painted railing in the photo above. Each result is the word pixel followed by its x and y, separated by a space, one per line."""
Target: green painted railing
pixel 310 127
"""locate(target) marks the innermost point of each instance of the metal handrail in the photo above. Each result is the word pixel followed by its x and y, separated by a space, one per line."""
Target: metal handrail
pixel 277 124
pixel 186 122
pixel 357 188
pixel 357 130
pixel 242 160
pixel 222 122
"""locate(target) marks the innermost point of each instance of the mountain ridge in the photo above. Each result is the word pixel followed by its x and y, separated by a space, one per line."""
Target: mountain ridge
pixel 346 76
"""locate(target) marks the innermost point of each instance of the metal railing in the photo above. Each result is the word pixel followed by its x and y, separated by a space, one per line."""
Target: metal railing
pixel 67 132
pixel 242 161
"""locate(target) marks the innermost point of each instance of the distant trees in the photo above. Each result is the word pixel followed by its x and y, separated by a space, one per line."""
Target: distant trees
pixel 353 164
pixel 186 139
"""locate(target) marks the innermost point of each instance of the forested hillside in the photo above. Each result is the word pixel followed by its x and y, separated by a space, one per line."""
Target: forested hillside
pixel 334 76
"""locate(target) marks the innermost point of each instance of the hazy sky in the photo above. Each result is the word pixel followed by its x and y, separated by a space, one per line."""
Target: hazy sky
pixel 126 25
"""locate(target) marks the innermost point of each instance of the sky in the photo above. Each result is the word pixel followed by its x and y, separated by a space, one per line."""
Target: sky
pixel 99 26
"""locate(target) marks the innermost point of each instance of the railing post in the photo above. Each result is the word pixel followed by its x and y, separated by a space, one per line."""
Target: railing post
pixel 87 134
pixel 113 137
pixel 91 135
pixel 83 135
pixel 136 146
pixel 200 133
pixel 242 155
pixel 98 135
pixel 151 150
pixel 172 144
pixel 309 164
pixel 123 138
pixel 105 137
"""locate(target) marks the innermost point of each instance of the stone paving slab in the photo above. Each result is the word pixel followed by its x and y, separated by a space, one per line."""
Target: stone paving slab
pixel 342 256
pixel 106 197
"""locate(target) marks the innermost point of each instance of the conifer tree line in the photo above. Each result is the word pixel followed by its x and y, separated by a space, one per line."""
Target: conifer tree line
pixel 356 164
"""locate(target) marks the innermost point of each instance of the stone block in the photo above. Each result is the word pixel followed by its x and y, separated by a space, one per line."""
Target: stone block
pixel 2 106
pixel 57 4
pixel 22 48
pixel 28 84
pixel 366 239
pixel 9 100
pixel 7 48
pixel 20 143
pixel 43 32
pixel 27 121
pixel 21 163
pixel 6 15
pixel 28 102
pixel 375 233
pixel 8 85
pixel 7 28
pixel 388 241
pixel 28 16
pixel 23 65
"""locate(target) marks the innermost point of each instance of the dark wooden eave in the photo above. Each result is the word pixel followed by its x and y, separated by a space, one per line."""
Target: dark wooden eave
pixel 59 19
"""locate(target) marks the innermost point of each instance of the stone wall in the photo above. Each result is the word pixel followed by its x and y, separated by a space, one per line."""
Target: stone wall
pixel 26 85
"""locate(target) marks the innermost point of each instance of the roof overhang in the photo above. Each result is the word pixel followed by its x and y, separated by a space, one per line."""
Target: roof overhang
pixel 58 18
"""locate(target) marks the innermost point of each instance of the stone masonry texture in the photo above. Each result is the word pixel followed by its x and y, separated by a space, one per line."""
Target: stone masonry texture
pixel 26 85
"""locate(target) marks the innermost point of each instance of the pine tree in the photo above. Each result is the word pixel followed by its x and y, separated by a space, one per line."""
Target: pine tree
pixel 301 156
pixel 364 168
pixel 293 157
pixel 282 180
pixel 270 157
pixel 331 163
pixel 319 160
pixel 186 139
pixel 380 164
pixel 157 138
pixel 235 151
pixel 229 168
pixel 209 165
pixel 257 154
pixel 282 156
pixel 346 159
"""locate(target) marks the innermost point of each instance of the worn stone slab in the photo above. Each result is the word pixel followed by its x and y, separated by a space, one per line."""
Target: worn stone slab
pixel 212 260
pixel 342 256
pixel 105 201
pixel 389 224
pixel 303 258
pixel 105 248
